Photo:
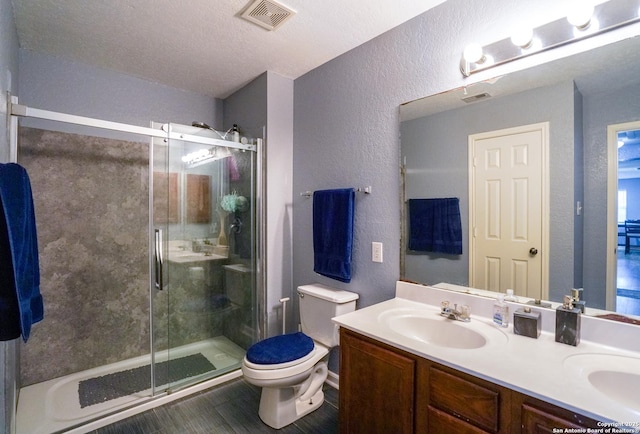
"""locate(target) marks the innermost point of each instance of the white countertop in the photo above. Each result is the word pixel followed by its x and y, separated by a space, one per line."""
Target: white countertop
pixel 541 367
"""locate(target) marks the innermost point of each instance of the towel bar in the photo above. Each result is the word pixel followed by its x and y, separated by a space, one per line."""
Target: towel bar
pixel 365 190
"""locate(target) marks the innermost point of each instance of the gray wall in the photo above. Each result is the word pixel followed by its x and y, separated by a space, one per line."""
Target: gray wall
pixel 264 108
pixel 436 152
pixel 52 83
pixel 578 190
pixel 8 82
pixel 600 110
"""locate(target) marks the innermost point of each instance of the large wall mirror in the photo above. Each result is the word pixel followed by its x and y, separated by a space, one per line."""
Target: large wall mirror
pixel 578 104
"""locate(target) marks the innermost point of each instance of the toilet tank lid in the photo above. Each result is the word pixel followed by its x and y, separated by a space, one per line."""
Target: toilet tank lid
pixel 328 293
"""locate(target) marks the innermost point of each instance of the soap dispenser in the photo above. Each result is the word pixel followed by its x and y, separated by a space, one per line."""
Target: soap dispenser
pixel 576 295
pixel 568 322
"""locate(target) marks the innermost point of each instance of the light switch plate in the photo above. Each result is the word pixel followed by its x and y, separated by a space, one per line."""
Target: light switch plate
pixel 376 251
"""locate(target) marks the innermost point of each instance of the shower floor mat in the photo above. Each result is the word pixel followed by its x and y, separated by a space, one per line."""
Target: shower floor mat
pixel 111 386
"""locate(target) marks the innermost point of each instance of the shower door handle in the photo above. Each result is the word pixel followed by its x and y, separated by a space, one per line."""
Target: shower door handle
pixel 158 260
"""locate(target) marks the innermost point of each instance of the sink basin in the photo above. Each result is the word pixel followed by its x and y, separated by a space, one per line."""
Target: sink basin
pixel 426 325
pixel 186 254
pixel 617 377
pixel 182 256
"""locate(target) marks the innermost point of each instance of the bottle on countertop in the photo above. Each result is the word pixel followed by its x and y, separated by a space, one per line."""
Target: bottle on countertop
pixel 501 312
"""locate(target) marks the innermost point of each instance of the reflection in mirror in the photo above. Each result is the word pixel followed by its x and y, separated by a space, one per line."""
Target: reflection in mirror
pixel 578 98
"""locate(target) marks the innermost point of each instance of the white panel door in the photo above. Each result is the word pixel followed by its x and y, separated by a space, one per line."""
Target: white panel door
pixel 507 205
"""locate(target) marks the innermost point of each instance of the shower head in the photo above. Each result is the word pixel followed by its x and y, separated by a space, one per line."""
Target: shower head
pixel 200 125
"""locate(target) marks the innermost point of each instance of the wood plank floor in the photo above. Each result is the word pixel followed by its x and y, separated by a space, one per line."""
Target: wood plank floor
pixel 228 408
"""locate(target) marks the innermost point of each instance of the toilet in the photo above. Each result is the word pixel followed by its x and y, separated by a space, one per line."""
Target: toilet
pixel 292 368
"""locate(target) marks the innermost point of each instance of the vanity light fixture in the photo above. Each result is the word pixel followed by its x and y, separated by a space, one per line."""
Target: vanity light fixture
pixel 583 22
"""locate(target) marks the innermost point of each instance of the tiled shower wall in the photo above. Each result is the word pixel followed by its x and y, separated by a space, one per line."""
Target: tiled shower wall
pixel 91 201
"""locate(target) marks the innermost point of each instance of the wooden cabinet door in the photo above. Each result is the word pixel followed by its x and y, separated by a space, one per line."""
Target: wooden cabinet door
pixel 540 417
pixel 451 401
pixel 376 387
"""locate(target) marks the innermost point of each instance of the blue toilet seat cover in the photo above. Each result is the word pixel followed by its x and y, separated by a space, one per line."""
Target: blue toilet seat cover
pixel 280 349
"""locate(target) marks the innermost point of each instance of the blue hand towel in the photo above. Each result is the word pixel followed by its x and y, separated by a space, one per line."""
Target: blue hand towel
pixel 435 226
pixel 20 287
pixel 333 215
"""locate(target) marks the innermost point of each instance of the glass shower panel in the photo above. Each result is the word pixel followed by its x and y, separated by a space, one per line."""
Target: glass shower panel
pixel 204 280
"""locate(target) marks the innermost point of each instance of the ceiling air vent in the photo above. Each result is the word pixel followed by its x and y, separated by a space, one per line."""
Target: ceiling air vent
pixel 268 14
pixel 477 97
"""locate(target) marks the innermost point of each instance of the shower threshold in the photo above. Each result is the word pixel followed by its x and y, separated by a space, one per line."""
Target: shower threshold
pixel 54 405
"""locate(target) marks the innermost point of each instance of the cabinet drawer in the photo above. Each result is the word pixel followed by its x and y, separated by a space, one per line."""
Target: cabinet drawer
pixel 539 416
pixel 444 423
pixel 464 399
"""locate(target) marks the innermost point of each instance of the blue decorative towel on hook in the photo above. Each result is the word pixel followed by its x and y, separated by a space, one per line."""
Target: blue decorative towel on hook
pixel 20 300
pixel 333 215
pixel 435 226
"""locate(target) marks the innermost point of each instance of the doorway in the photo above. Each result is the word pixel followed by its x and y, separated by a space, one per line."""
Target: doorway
pixel 508 205
pixel 623 253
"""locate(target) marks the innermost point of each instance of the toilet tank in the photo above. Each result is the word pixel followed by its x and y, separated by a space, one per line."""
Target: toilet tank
pixel 318 304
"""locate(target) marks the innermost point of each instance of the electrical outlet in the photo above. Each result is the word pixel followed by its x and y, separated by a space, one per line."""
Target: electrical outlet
pixel 376 251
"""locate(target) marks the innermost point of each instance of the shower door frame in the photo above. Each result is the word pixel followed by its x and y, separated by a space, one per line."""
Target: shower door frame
pixel 17 111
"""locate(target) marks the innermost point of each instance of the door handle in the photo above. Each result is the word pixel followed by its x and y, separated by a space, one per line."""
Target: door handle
pixel 533 251
pixel 158 260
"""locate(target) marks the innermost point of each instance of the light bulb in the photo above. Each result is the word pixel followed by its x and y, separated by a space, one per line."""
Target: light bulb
pixel 473 53
pixel 522 38
pixel 580 16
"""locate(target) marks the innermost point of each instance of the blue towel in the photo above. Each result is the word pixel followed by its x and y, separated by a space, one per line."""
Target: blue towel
pixel 333 215
pixel 435 226
pixel 20 287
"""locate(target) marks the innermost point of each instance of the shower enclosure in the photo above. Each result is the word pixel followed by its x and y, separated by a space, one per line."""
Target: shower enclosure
pixel 149 250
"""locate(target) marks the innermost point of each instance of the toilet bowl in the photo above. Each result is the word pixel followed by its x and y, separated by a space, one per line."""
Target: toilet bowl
pixel 290 390
pixel 292 368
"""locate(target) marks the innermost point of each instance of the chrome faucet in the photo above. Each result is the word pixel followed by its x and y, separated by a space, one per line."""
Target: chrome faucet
pixel 464 314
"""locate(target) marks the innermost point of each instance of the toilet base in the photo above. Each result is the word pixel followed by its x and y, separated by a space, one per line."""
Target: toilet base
pixel 281 407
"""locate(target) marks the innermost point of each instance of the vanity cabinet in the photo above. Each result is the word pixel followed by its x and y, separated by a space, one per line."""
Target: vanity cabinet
pixel 387 390
pixel 376 387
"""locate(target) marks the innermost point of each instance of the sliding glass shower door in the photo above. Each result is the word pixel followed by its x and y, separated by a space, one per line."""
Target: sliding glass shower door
pixel 203 261
pixel 125 321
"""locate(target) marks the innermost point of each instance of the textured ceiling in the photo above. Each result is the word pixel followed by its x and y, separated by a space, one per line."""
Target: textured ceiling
pixel 204 47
